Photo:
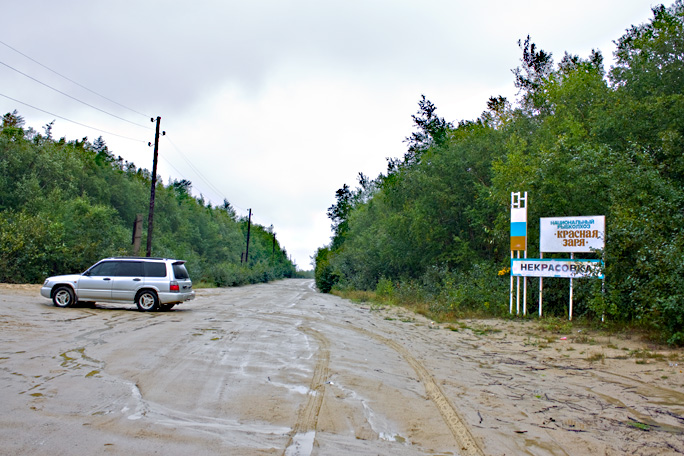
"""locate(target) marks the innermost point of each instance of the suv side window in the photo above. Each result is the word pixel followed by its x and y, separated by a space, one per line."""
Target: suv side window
pixel 155 269
pixel 106 268
pixel 130 269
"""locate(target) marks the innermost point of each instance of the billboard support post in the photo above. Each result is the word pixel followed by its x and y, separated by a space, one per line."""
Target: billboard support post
pixel 510 291
pixel 541 288
pixel 518 244
pixel 572 257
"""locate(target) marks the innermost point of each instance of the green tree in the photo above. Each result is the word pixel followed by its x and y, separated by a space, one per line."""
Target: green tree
pixel 432 131
pixel 12 125
pixel 536 67
pixel 648 56
pixel 339 212
pixel 648 79
pixel 436 226
pixel 65 204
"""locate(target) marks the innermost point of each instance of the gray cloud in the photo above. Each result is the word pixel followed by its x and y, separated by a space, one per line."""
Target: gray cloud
pixel 278 103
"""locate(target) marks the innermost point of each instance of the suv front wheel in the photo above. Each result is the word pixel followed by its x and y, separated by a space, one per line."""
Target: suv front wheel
pixel 147 301
pixel 63 297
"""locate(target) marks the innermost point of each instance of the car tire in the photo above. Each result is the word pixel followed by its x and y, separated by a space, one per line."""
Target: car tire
pixel 147 301
pixel 63 297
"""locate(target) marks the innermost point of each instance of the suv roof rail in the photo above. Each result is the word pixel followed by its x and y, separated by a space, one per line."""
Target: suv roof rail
pixel 135 258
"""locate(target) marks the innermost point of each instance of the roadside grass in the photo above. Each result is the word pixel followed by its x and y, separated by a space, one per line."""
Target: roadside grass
pixel 358 296
pixel 202 284
pixel 596 357
pixel 542 332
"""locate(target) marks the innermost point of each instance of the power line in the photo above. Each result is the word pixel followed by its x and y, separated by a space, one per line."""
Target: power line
pixel 202 179
pixel 190 164
pixel 201 176
pixel 168 162
pixel 72 121
pixel 197 171
pixel 179 173
pixel 73 98
pixel 72 81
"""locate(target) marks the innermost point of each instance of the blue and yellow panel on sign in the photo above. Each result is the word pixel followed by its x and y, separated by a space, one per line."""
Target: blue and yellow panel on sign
pixel 518 235
pixel 518 222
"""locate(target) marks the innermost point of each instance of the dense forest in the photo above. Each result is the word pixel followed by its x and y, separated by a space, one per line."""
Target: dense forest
pixel 581 140
pixel 66 204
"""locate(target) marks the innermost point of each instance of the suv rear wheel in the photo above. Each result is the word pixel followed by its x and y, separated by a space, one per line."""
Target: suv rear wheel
pixel 147 301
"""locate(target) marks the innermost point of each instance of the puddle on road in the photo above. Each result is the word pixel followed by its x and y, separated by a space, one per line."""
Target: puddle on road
pixel 299 389
pixel 302 444
pixel 234 432
pixel 140 406
pixel 642 418
pixel 378 424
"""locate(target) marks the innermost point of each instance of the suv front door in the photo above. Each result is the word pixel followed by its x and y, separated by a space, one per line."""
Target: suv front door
pixel 96 283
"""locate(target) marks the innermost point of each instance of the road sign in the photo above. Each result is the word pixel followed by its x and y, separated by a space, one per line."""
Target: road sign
pixel 553 267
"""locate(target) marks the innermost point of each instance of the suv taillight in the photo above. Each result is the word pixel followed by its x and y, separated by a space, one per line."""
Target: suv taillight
pixel 173 286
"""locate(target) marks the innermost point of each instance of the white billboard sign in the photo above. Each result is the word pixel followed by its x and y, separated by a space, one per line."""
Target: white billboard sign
pixel 563 268
pixel 572 234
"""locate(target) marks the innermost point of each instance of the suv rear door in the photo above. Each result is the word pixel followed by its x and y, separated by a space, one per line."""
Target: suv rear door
pixel 129 278
pixel 156 275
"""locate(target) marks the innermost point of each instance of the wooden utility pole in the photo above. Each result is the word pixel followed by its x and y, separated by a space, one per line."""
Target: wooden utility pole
pixel 150 218
pixel 249 226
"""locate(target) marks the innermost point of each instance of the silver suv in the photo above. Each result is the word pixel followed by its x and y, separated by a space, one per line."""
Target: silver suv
pixel 150 283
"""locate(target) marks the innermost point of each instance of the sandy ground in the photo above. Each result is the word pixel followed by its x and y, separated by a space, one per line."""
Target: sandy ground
pixel 279 369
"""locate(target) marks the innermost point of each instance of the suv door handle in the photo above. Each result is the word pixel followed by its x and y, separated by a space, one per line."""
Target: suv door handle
pixel 106 278
pixel 136 280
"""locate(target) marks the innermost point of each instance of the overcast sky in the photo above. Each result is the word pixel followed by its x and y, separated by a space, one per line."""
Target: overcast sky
pixel 274 105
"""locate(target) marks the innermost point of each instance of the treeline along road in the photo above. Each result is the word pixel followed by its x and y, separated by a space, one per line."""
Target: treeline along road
pixel 282 369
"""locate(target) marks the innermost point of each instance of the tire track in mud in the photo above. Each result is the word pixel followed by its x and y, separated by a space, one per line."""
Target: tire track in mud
pixel 303 433
pixel 466 442
pixel 304 430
